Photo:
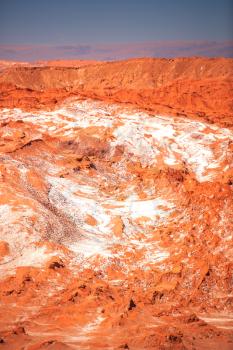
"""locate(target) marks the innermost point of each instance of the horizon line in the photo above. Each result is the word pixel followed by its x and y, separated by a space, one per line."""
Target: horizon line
pixel 110 52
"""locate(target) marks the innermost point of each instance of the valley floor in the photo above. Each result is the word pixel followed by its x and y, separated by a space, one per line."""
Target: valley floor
pixel 115 230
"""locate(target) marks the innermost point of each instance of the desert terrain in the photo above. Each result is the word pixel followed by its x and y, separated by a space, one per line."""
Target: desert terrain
pixel 116 204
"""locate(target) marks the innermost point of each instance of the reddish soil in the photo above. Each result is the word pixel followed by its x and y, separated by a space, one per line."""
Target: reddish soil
pixel 197 87
pixel 116 211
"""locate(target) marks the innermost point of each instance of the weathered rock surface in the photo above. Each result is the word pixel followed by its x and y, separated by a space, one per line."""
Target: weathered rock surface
pixel 116 222
pixel 197 87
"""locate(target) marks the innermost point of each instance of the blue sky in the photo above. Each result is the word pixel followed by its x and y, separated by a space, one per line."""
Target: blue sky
pixel 107 22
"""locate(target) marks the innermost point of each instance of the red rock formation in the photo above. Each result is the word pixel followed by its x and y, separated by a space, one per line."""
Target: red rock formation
pixel 198 87
pixel 116 223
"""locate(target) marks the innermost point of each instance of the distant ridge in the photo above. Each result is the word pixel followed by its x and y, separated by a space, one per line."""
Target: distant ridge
pixel 200 87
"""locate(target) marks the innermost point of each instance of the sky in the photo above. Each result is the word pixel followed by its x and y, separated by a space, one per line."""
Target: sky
pixel 111 29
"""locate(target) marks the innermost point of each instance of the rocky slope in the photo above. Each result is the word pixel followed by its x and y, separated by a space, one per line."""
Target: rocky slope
pixel 195 87
pixel 115 221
